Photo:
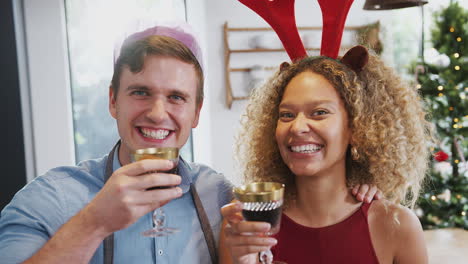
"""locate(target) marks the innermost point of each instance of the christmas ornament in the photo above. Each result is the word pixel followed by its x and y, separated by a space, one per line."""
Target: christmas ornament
pixel 441 156
pixel 443 168
pixel 435 220
pixel 419 212
pixel 432 56
pixel 445 196
pixel 458 142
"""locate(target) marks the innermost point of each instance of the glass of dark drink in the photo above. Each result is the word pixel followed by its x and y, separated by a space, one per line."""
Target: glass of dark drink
pixel 159 217
pixel 262 201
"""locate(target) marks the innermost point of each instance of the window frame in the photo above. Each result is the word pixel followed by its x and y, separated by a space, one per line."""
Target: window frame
pixel 45 82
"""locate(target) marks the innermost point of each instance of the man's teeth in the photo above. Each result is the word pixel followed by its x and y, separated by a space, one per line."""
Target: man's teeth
pixel 310 148
pixel 155 134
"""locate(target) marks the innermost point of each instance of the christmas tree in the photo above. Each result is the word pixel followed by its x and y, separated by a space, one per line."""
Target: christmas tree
pixel 443 82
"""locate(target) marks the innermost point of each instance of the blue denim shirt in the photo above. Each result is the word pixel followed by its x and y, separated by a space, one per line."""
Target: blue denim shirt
pixel 46 203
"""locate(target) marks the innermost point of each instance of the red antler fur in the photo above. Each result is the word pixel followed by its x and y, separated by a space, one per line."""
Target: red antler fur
pixel 334 13
pixel 280 15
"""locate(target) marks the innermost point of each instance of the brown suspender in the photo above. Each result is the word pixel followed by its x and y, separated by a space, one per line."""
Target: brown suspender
pixel 109 241
pixel 205 225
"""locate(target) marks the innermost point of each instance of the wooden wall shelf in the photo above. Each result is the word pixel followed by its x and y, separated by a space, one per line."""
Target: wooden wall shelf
pixel 228 51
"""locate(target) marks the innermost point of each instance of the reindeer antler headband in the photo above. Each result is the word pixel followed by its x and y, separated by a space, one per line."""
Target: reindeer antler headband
pixel 280 15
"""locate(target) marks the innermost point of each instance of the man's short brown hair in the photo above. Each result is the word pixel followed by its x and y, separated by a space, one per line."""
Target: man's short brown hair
pixel 134 54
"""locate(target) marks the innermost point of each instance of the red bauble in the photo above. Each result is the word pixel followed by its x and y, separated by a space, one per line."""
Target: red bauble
pixel 441 156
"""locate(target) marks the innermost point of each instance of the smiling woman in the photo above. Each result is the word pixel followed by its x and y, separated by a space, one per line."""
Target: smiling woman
pixel 319 126
pixel 311 104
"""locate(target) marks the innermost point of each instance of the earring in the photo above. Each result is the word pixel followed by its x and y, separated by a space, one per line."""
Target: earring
pixel 354 153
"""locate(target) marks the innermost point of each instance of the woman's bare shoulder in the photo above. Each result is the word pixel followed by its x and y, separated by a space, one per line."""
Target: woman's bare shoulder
pixel 394 216
pixel 394 230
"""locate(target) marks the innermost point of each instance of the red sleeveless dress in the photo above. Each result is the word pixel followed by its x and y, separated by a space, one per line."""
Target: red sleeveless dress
pixel 345 242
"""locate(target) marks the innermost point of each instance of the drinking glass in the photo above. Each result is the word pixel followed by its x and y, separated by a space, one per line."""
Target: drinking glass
pixel 159 217
pixel 262 201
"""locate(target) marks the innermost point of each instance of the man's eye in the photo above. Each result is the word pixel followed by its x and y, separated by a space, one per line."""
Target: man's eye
pixel 176 97
pixel 140 93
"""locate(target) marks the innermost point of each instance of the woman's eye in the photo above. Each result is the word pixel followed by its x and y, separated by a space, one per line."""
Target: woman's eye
pixel 320 112
pixel 286 115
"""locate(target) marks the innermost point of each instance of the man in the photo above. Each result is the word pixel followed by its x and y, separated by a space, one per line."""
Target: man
pixel 64 216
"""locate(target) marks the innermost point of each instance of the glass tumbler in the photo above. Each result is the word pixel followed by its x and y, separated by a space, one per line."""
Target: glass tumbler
pixel 262 201
pixel 159 217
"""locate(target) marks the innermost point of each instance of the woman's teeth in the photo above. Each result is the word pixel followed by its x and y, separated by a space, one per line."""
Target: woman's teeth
pixel 310 148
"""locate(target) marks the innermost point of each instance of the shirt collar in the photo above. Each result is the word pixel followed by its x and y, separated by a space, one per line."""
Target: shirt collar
pixel 185 172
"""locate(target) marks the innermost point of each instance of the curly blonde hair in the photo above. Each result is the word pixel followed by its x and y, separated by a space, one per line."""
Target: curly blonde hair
pixel 390 133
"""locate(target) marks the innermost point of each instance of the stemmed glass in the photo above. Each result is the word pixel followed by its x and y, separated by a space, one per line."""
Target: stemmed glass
pixel 159 217
pixel 262 201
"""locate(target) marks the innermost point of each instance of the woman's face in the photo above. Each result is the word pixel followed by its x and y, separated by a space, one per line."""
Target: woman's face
pixel 312 131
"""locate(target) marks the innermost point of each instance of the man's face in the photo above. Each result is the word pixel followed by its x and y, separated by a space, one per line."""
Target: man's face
pixel 155 107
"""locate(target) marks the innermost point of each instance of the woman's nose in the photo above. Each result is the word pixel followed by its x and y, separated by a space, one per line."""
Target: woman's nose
pixel 300 124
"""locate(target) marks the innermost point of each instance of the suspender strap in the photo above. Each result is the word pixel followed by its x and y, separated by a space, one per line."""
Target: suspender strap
pixel 109 241
pixel 109 249
pixel 205 225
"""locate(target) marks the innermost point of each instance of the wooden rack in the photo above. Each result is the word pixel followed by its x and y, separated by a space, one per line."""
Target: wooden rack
pixel 228 51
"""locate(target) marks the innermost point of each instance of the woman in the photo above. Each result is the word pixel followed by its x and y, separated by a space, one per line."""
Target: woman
pixel 319 126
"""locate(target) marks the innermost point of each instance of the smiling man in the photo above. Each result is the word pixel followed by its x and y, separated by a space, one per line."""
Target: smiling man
pixel 156 105
pixel 95 212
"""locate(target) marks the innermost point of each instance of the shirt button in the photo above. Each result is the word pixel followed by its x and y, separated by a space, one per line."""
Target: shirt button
pixel 160 252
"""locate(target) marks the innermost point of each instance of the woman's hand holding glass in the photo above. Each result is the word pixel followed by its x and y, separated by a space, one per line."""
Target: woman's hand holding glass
pixel 245 239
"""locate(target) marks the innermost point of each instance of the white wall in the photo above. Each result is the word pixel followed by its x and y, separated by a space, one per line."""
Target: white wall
pixel 224 121
pixel 196 17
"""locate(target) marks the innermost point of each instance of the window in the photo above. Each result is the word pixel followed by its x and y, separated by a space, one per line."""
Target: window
pixel 94 29
pixel 405 38
pixel 65 44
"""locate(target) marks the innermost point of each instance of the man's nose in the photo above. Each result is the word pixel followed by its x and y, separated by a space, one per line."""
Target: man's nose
pixel 157 111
